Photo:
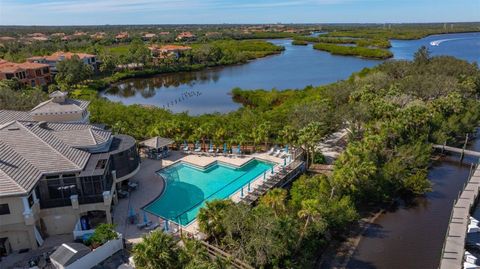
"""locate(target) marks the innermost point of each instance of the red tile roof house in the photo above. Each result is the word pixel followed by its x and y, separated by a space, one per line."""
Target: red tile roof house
pixel 185 36
pixel 32 74
pixel 52 60
pixel 168 51
pixel 148 36
pixel 121 36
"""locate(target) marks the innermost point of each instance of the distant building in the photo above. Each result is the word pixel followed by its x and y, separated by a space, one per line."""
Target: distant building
pixel 168 51
pixel 30 74
pixel 38 37
pixel 6 38
pixel 98 35
pixel 185 36
pixel 121 36
pixel 56 169
pixel 54 59
pixel 148 36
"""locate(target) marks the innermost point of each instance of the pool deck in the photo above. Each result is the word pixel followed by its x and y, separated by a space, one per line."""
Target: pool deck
pixel 151 186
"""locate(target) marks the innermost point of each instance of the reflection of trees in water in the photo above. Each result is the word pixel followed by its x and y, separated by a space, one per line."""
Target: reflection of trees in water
pixel 147 87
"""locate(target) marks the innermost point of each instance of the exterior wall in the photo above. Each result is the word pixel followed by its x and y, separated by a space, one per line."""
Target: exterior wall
pixel 126 162
pixel 20 235
pixel 30 77
pixel 62 220
pixel 15 205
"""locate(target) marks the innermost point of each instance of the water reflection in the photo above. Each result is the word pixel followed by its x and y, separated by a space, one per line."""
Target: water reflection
pixel 296 67
pixel 147 87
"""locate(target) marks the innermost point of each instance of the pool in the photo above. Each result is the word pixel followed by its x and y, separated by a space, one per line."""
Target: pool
pixel 188 187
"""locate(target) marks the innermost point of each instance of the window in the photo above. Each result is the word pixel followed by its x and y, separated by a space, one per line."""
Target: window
pixel 38 72
pixel 101 164
pixel 30 200
pixel 4 209
pixel 9 75
pixel 54 189
pixel 51 176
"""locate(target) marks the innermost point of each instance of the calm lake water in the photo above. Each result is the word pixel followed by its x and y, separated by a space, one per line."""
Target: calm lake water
pixel 208 90
pixel 296 67
pixel 411 235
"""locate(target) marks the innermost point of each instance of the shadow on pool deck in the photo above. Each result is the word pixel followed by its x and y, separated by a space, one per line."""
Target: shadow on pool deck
pixel 150 186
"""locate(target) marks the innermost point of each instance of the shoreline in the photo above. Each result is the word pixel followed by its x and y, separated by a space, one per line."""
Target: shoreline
pixel 338 254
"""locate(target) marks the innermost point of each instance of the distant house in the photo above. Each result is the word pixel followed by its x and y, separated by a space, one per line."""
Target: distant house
pixel 80 33
pixel 185 36
pixel 6 38
pixel 58 34
pixel 98 35
pixel 148 36
pixel 38 37
pixel 31 74
pixel 168 51
pixel 121 36
pixel 55 58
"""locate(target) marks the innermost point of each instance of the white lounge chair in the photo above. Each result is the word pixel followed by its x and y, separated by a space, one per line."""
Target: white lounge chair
pixel 144 224
pixel 271 151
pixel 277 153
pixel 152 226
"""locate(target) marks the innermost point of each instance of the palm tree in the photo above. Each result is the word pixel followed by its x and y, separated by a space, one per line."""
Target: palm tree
pixel 275 199
pixel 195 256
pixel 210 218
pixel 157 250
pixel 309 213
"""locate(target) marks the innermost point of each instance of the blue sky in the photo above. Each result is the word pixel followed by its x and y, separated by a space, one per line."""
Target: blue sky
pixel 87 12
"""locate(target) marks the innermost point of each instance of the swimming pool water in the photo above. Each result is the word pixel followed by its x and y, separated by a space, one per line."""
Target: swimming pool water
pixel 188 188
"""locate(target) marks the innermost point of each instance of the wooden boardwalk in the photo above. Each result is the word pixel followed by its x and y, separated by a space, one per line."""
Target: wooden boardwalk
pixel 453 250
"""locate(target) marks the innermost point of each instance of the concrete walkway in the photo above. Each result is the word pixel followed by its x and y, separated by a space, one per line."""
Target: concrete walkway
pixel 150 186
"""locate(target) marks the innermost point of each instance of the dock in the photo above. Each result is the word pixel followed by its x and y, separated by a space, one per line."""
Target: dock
pixel 453 250
pixel 462 151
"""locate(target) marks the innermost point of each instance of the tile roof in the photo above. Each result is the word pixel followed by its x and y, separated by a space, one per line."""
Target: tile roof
pixel 78 134
pixel 17 175
pixel 60 54
pixel 69 105
pixel 30 149
pixel 9 67
pixel 157 142
pixel 7 116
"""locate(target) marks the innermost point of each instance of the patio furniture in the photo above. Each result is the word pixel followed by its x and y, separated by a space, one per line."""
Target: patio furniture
pixel 152 226
pixel 144 224
pixel 122 194
pixel 156 147
pixel 132 185
pixel 270 152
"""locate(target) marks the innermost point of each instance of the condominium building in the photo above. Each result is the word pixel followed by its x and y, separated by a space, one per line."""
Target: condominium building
pixel 56 169
pixel 55 58
pixel 31 74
